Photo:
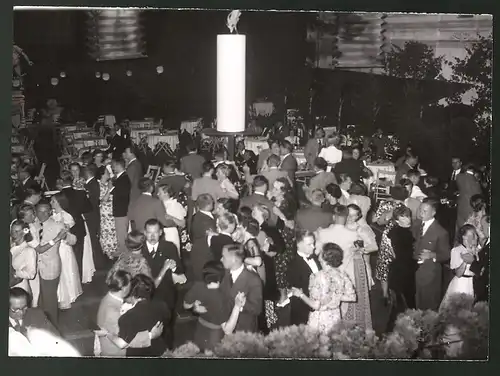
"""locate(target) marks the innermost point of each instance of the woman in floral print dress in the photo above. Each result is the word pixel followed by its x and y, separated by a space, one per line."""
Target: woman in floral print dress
pixel 107 238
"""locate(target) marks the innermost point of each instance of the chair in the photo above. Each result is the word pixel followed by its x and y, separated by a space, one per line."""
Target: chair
pixel 382 191
pixel 153 172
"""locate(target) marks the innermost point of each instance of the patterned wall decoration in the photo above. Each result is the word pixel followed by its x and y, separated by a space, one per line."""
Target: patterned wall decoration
pixel 115 34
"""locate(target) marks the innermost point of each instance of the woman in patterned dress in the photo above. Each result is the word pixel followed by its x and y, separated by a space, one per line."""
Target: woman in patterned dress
pixel 285 207
pixel 107 237
pixel 383 214
pixel 328 288
pixel 132 261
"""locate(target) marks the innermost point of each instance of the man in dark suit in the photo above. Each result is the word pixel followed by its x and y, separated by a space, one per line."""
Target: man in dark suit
pixel 260 186
pixel 25 178
pixel 146 207
pixel 481 268
pixel 314 146
pixel 288 162
pixel 79 205
pixel 321 179
pixel 121 200
pixel 456 165
pixel 21 316
pixel 192 164
pixel 299 271
pixel 93 218
pixel 432 250
pixel 240 279
pixel 134 172
pixel 203 222
pixel 349 166
pixel 117 144
pixel 314 217
pixel 159 254
pixel 468 186
pixel 410 163
pixel 32 196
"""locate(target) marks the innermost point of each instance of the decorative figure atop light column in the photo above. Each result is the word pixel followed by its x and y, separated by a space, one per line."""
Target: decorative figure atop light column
pixel 232 21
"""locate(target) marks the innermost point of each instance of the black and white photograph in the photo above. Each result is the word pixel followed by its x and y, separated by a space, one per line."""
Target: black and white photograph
pixel 241 183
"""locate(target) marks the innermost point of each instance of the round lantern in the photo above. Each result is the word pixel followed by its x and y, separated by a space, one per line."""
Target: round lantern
pixel 159 69
pixel 129 73
pixel 63 74
pixel 54 81
pixel 97 74
pixel 105 76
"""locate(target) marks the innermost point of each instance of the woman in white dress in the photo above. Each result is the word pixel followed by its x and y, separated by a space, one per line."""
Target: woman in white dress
pixel 70 287
pixel 24 258
pixel 461 257
pixel 175 212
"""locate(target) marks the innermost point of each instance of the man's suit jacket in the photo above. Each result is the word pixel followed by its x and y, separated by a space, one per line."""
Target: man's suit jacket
pixel 134 172
pixel 312 218
pixel 311 151
pixel 468 186
pixel 200 225
pixel 121 196
pixel 274 174
pixel 166 290
pixel 92 188
pixel 146 207
pixel 49 262
pixel 413 204
pixel 290 165
pixel 351 167
pixel 117 145
pixel 257 199
pixel 22 187
pixel 481 270
pixel 321 180
pixel 207 185
pixel 36 318
pixel 192 164
pixel 251 285
pixel 298 275
pixel 79 204
pixel 428 275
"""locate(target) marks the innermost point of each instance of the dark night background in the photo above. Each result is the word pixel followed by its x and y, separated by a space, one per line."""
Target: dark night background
pixel 184 42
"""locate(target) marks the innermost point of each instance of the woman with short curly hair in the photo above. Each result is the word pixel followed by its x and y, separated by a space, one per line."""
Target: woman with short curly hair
pixel 327 289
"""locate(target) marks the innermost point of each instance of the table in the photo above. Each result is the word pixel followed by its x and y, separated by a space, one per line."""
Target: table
pixel 171 139
pixel 79 134
pixel 256 144
pixel 90 141
pixel 143 124
pixel 68 128
pixel 135 134
pixel 190 125
pixel 383 170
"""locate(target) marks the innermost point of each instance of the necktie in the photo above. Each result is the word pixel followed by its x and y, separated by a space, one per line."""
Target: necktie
pixel 20 328
pixel 320 145
pixel 231 283
pixel 40 232
pixel 422 230
pixel 454 175
pixel 153 252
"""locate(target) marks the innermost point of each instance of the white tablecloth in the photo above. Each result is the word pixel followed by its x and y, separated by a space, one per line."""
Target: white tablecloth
pixel 256 144
pixel 190 125
pixel 141 124
pixel 81 134
pixel 135 134
pixel 89 142
pixel 69 128
pixel 171 139
pixel 384 170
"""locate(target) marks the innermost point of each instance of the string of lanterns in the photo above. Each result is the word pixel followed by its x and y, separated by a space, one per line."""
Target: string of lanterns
pixel 104 75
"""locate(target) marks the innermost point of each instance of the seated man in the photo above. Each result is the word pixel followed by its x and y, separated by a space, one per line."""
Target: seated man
pixel 30 331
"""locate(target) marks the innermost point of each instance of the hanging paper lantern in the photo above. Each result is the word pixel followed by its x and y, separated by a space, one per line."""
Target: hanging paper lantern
pixel 54 81
pixel 97 74
pixel 63 74
pixel 129 73
pixel 159 69
pixel 105 76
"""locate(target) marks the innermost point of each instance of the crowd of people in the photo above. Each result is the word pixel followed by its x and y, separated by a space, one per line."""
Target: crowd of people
pixel 241 244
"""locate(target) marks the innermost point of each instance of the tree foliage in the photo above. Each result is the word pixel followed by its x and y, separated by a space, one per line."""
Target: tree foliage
pixel 476 69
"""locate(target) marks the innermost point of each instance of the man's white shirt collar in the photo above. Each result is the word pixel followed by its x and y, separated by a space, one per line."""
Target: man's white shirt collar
pixel 470 173
pixel 119 174
pixel 312 264
pixel 88 180
pixel 152 247
pixel 207 213
pixel 14 323
pixel 345 193
pixel 427 224
pixel 147 193
pixel 236 273
pixel 133 159
pixel 284 156
pixel 259 193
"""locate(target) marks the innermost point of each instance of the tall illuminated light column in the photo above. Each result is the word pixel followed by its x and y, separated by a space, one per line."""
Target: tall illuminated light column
pixel 231 79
